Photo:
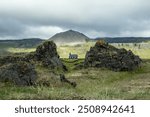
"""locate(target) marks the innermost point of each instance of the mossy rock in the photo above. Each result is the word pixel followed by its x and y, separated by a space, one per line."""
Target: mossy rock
pixel 20 73
pixel 105 55
pixel 46 53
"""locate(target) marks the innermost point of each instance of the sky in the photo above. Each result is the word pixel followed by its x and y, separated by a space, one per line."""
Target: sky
pixel 94 18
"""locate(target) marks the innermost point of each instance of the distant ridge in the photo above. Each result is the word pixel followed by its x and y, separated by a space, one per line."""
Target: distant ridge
pixel 23 43
pixel 69 36
pixel 123 39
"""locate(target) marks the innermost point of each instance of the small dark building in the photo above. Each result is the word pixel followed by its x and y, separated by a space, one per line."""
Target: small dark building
pixel 73 56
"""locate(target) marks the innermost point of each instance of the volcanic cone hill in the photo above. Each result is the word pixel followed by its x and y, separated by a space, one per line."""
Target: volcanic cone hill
pixel 68 37
pixel 105 55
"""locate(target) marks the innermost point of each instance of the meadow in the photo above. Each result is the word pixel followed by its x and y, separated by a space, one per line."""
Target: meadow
pixel 92 83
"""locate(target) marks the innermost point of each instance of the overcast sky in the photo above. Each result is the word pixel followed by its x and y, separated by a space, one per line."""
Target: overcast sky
pixel 95 18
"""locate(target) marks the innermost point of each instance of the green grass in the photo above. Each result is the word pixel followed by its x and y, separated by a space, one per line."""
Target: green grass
pixel 72 64
pixel 92 83
pixel 143 51
pixel 20 50
pixel 76 49
pixel 81 50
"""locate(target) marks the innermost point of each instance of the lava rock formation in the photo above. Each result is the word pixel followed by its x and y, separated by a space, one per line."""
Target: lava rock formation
pixel 105 55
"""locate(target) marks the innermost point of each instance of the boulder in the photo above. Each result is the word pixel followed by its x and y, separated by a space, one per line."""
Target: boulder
pixel 105 55
pixel 46 50
pixel 20 73
pixel 47 54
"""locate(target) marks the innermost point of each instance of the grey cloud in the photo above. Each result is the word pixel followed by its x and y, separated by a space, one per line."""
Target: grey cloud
pixel 11 27
pixel 107 17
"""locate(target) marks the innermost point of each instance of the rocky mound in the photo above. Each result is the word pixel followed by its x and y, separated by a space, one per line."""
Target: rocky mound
pixel 20 69
pixel 21 73
pixel 12 59
pixel 104 55
pixel 47 54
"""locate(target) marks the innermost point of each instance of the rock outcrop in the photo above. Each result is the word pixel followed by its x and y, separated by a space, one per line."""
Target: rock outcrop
pixel 105 55
pixel 21 73
pixel 13 59
pixel 47 54
pixel 20 69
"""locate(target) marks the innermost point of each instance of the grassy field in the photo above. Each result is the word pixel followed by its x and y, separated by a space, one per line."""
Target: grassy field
pixel 81 50
pixel 92 83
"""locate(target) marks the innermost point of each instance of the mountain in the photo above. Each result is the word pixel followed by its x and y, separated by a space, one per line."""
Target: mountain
pixel 69 36
pixel 23 43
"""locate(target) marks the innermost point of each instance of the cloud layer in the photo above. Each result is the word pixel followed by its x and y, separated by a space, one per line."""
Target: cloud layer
pixel 44 18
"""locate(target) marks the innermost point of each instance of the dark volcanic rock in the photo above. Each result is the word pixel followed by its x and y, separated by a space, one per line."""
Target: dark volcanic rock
pixel 20 69
pixel 47 49
pixel 104 55
pixel 47 54
pixel 21 73
pixel 12 59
